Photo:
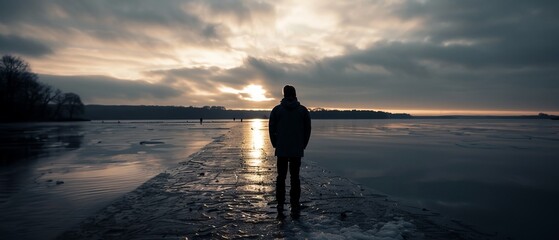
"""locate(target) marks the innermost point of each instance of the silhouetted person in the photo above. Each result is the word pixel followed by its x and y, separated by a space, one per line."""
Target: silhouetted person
pixel 290 131
pixel 201 120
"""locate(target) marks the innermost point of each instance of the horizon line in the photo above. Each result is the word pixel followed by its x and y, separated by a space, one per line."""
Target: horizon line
pixel 413 112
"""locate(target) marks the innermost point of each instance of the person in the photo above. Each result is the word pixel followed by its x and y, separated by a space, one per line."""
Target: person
pixel 290 131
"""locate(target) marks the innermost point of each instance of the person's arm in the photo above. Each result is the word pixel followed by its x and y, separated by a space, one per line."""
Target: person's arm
pixel 272 127
pixel 307 127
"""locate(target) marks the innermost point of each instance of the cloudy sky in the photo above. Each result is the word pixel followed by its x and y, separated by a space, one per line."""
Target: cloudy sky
pixel 416 56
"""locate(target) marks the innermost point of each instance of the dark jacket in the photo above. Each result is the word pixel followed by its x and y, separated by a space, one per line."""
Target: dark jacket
pixel 290 128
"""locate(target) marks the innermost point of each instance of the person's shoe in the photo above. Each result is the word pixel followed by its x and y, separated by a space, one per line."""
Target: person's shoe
pixel 280 208
pixel 280 216
pixel 295 211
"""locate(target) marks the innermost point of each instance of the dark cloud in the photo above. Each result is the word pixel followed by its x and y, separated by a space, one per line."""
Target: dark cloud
pixel 472 54
pixel 429 76
pixel 130 22
pixel 18 45
pixel 370 78
pixel 16 11
pixel 502 32
pixel 95 88
pixel 468 54
pixel 114 22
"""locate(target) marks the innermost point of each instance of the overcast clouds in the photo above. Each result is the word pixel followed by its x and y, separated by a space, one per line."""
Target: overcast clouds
pixel 413 55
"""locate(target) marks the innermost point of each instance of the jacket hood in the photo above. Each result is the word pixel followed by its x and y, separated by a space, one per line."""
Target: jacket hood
pixel 290 103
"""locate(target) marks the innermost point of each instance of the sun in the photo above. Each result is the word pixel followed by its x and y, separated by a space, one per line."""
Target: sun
pixel 255 93
pixel 251 92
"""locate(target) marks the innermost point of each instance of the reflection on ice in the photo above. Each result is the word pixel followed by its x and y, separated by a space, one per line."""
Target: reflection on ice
pixel 253 151
pixel 96 161
pixel 256 138
pixel 253 156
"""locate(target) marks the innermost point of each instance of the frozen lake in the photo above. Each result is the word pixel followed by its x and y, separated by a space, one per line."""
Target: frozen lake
pixel 500 175
pixel 97 163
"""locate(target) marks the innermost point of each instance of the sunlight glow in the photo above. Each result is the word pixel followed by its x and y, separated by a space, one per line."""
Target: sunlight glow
pixel 252 92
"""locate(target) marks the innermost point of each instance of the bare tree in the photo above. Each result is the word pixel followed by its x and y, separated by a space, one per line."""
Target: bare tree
pixel 48 94
pixel 59 101
pixel 24 98
pixel 18 86
pixel 73 104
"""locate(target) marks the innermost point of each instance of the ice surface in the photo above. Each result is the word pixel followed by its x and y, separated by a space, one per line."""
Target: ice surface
pixel 499 175
pixel 54 175
pixel 226 191
pixel 484 173
pixel 393 230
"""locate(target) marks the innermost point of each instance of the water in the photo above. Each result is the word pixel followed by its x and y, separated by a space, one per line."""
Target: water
pixel 53 175
pixel 499 175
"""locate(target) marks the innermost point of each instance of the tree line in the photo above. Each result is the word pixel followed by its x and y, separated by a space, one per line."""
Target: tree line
pixel 24 98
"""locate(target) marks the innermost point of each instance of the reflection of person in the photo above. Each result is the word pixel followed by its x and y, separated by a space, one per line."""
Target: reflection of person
pixel 290 131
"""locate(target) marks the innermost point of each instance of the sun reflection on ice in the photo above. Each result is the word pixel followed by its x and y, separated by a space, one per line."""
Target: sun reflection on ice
pixel 257 139
pixel 254 156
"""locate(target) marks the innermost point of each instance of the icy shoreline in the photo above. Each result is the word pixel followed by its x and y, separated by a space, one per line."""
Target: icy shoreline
pixel 227 191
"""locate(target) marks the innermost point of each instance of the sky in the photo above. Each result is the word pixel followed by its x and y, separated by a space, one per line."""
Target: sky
pixel 415 56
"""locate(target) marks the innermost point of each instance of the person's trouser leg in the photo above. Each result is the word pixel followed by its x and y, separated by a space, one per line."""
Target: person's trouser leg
pixel 295 191
pixel 280 180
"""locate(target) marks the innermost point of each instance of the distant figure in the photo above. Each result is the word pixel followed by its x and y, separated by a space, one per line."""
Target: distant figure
pixel 241 120
pixel 290 131
pixel 201 120
pixel 233 119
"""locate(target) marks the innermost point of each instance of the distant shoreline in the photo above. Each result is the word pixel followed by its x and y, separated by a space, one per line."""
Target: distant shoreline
pixel 485 117
pixel 142 112
pixel 130 112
